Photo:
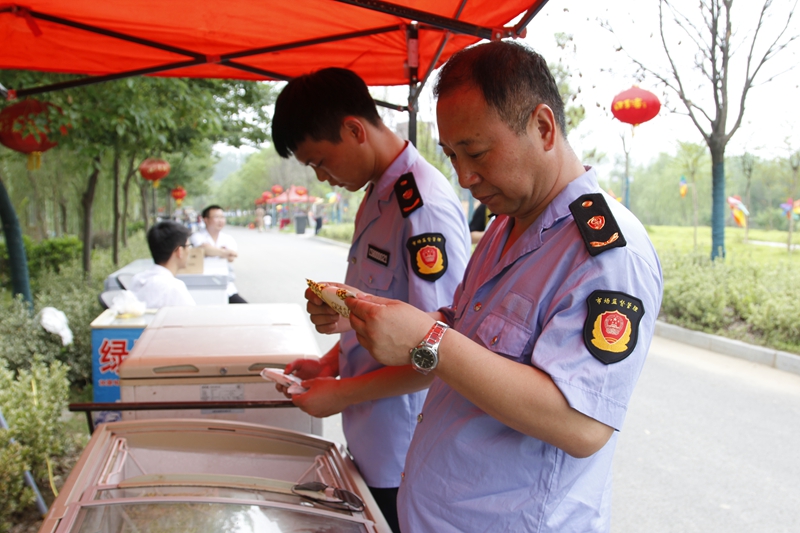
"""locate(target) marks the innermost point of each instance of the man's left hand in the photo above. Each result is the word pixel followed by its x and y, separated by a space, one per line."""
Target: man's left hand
pixel 387 328
pixel 323 398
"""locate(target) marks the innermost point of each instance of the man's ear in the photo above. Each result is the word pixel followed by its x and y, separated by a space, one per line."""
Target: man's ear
pixel 354 128
pixel 542 124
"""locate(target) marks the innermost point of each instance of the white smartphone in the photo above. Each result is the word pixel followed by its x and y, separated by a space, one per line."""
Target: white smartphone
pixel 293 383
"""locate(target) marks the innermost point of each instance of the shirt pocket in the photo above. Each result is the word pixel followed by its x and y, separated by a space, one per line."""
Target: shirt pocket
pixel 505 337
pixel 376 279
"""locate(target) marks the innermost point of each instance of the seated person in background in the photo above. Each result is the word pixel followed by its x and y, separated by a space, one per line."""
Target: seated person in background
pixel 158 286
pixel 481 218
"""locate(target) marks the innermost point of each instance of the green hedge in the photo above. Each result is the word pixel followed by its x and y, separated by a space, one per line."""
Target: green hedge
pixel 751 301
pixel 49 254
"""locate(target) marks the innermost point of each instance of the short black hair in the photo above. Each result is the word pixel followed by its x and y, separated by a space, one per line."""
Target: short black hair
pixel 164 238
pixel 513 79
pixel 313 106
pixel 208 210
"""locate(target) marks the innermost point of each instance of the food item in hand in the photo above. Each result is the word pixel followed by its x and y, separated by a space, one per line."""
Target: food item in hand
pixel 332 295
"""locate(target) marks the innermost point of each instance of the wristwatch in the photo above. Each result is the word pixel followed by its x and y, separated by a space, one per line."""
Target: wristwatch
pixel 425 356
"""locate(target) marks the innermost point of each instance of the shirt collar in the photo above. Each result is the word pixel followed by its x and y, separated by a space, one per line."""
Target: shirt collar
pixel 401 165
pixel 559 208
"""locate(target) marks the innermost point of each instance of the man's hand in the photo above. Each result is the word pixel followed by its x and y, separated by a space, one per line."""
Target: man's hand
pixel 324 317
pixel 305 369
pixel 387 328
pixel 325 397
pixel 230 255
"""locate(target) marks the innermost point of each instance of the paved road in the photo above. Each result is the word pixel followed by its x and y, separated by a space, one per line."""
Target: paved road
pixel 711 443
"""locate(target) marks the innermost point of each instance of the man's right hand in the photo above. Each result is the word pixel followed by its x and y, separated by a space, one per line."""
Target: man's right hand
pixel 325 319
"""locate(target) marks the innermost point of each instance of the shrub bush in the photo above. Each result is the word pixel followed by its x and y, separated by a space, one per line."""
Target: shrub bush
pixel 757 303
pixel 338 232
pixel 32 402
pixel 49 254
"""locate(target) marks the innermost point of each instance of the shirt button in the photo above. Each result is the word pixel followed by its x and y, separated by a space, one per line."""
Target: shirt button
pixel 494 340
pixel 419 418
pixel 478 306
pixel 402 475
pixel 353 260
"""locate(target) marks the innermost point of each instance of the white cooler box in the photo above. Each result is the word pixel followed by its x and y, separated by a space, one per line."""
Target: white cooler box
pixel 221 363
pixel 223 316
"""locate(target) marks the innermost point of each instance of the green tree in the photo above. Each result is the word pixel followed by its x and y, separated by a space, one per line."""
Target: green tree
pixel 715 41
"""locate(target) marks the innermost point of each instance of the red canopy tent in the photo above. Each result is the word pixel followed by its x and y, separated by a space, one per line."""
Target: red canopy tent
pixel 385 43
pixel 291 196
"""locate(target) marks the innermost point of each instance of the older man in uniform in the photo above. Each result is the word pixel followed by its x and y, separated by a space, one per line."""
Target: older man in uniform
pixel 536 359
pixel 410 242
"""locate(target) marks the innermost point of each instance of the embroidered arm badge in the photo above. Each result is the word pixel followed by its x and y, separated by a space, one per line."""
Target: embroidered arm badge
pixel 428 255
pixel 612 325
pixel 597 225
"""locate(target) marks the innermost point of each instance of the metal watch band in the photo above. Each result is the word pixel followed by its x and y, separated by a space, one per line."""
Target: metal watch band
pixel 435 334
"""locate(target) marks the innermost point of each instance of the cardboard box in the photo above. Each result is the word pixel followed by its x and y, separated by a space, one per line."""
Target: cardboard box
pixel 194 265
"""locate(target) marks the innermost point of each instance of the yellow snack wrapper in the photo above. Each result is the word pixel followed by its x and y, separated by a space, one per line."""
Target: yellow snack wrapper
pixel 332 296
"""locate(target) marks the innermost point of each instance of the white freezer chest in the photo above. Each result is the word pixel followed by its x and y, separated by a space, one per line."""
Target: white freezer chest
pixel 176 362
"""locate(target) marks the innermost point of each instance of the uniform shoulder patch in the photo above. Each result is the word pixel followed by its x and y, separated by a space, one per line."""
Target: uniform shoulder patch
pixel 597 225
pixel 612 325
pixel 428 255
pixel 405 188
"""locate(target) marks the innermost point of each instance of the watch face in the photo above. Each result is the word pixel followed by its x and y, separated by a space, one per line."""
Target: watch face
pixel 424 358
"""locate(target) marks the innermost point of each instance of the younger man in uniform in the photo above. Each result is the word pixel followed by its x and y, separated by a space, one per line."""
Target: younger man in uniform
pixel 410 242
pixel 536 359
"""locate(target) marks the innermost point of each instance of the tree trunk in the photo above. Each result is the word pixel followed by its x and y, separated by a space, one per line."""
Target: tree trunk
pixel 38 208
pixel 142 190
pixel 87 201
pixel 125 189
pixel 115 225
pixel 694 208
pixel 62 204
pixel 718 202
pixel 18 260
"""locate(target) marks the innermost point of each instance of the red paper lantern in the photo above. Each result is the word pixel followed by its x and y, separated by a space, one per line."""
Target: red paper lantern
pixel 19 131
pixel 153 170
pixel 178 193
pixel 277 189
pixel 635 106
pixel 266 195
pixel 301 191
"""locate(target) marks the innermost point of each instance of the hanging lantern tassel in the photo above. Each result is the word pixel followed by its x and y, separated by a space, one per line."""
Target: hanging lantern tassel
pixel 155 183
pixel 34 160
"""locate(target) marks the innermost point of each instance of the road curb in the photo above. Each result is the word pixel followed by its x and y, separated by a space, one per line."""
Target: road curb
pixel 331 241
pixel 788 362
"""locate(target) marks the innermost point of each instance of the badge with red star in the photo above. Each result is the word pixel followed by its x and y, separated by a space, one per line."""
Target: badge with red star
pixel 597 225
pixel 408 196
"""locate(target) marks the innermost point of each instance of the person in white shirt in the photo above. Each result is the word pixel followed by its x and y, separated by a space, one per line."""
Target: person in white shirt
pixel 220 249
pixel 158 286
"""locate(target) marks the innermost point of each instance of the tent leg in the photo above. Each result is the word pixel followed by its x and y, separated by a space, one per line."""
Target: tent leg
pixel 18 261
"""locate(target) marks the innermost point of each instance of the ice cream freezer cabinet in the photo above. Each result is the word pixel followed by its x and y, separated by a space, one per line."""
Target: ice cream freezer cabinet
pixel 212 475
pixel 216 364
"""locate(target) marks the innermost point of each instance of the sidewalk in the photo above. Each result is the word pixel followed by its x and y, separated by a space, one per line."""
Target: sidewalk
pixel 788 362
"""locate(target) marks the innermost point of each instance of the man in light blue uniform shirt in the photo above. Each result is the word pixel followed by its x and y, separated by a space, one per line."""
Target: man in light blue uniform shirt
pixel 411 243
pixel 536 359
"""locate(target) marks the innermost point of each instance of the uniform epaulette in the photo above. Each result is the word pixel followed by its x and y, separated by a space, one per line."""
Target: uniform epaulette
pixel 408 197
pixel 597 225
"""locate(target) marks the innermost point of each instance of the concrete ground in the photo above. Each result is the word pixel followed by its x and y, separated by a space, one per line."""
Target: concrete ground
pixel 710 443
